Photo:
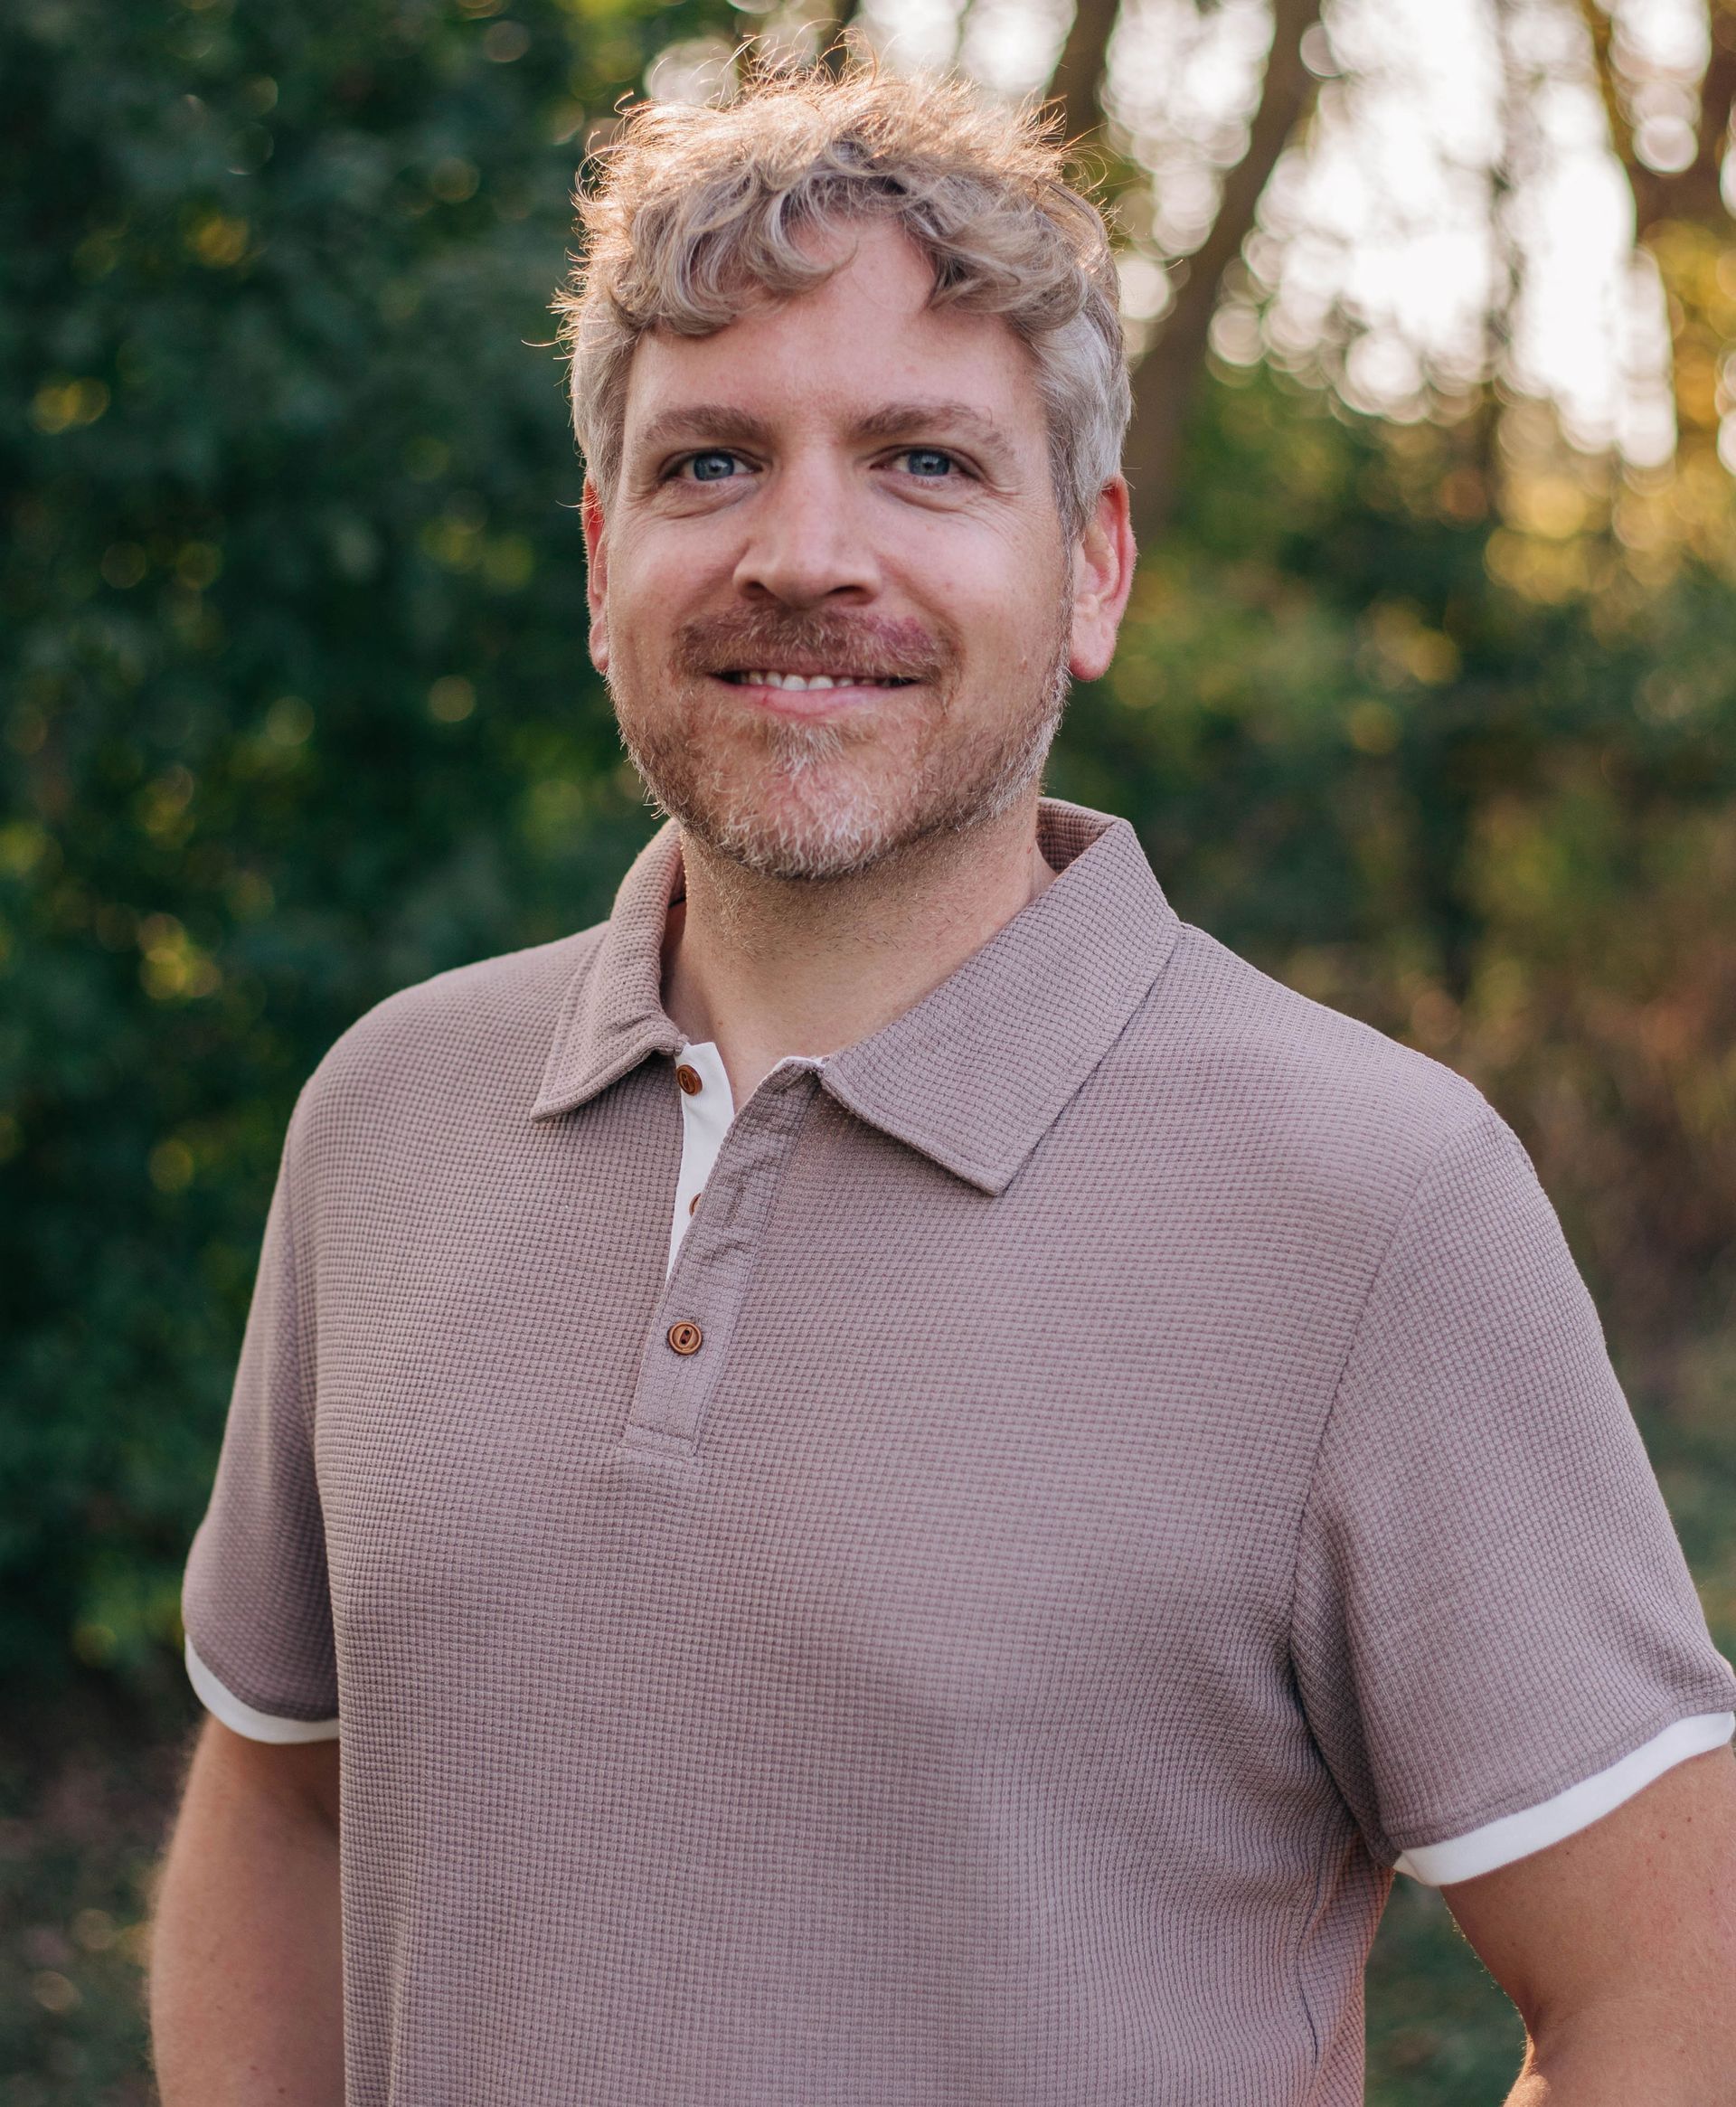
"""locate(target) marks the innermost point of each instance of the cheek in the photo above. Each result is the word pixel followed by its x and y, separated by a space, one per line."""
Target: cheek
pixel 633 616
pixel 652 588
pixel 1003 605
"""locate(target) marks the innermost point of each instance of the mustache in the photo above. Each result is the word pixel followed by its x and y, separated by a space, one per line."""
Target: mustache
pixel 738 640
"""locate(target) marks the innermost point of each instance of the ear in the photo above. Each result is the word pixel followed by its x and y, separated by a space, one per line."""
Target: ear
pixel 590 510
pixel 1103 560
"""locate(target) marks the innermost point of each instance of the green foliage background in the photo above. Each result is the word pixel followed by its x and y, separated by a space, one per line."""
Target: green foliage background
pixel 297 711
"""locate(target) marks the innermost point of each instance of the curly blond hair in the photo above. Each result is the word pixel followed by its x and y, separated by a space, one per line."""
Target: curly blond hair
pixel 696 209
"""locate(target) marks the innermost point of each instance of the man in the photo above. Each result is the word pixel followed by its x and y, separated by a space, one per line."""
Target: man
pixel 893 1478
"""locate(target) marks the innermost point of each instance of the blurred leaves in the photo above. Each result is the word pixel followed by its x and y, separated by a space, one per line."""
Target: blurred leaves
pixel 295 704
pixel 1474 783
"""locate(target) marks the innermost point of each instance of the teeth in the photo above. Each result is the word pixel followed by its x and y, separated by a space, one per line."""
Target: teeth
pixel 802 681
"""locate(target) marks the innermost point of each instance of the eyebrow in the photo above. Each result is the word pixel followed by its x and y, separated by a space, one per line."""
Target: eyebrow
pixel 718 423
pixel 703 423
pixel 899 419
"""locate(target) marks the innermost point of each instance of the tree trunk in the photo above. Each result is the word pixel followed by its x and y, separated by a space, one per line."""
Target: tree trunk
pixel 1682 222
pixel 1076 82
pixel 1165 380
pixel 834 45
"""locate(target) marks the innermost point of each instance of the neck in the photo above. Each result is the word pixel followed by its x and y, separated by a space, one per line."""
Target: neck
pixel 769 966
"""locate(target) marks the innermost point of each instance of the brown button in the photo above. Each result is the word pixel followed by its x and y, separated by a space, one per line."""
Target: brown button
pixel 692 1204
pixel 690 1080
pixel 685 1336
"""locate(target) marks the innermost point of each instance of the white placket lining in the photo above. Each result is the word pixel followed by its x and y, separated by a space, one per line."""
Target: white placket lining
pixel 705 1117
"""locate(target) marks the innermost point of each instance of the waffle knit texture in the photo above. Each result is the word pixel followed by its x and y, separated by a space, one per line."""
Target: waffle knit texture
pixel 1150 1461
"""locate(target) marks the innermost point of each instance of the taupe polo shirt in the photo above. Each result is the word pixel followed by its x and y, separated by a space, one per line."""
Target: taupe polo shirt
pixel 1120 1457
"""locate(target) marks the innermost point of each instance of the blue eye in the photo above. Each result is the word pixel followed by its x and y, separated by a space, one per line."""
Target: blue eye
pixel 930 462
pixel 712 468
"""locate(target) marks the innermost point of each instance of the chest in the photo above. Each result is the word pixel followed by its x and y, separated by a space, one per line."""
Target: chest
pixel 998 1458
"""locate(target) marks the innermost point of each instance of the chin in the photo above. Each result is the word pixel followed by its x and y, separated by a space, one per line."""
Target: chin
pixel 810 835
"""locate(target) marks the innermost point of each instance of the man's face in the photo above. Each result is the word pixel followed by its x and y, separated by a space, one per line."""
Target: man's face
pixel 832 594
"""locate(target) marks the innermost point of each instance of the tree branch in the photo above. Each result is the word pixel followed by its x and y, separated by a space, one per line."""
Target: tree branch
pixel 1690 198
pixel 1077 83
pixel 1601 31
pixel 1164 381
pixel 1703 181
pixel 1694 193
pixel 834 41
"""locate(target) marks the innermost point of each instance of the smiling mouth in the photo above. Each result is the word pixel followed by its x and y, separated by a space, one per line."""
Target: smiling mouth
pixel 767 678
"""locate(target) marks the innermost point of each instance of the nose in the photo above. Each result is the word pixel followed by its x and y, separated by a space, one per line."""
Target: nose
pixel 807 540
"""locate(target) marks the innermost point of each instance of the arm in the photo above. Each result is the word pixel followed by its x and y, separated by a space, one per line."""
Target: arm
pixel 1618 1947
pixel 246 1989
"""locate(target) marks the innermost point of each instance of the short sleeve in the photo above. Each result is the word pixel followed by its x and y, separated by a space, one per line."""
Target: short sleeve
pixel 1496 1636
pixel 255 1598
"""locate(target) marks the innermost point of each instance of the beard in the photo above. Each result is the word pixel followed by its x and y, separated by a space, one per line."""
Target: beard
pixel 828 799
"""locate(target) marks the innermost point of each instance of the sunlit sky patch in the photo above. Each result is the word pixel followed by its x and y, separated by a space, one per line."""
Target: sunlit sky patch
pixel 1393 231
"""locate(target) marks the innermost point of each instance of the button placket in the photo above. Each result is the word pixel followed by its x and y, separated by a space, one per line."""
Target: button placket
pixel 687 1346
pixel 707 1108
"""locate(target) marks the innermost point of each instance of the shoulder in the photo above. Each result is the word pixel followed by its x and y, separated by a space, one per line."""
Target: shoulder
pixel 1309 1104
pixel 475 1035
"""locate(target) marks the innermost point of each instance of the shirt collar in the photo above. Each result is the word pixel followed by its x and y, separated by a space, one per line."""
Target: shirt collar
pixel 974 1074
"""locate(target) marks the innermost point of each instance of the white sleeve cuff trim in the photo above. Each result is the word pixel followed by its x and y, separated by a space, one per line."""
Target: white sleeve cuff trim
pixel 1535 1828
pixel 242 1718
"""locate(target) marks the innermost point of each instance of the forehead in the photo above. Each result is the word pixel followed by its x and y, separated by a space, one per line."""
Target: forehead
pixel 864 335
